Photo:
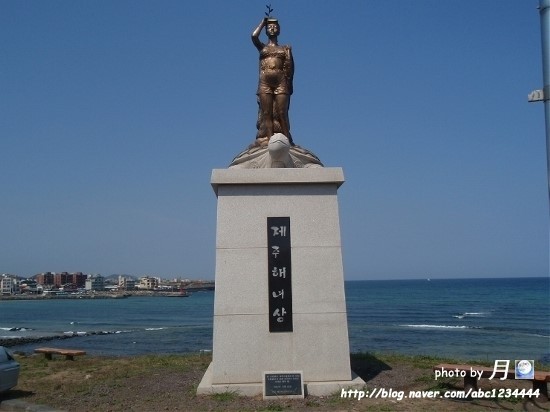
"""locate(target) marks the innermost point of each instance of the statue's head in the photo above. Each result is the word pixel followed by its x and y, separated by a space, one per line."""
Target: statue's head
pixel 272 27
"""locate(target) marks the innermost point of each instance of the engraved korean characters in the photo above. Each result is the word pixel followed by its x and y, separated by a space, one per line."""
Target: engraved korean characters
pixel 280 274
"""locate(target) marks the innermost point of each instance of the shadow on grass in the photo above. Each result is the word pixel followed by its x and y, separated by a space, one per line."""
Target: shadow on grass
pixel 14 394
pixel 367 366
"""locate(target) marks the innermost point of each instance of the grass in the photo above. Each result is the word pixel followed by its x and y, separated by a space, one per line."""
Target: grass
pixel 145 382
pixel 225 396
pixel 58 382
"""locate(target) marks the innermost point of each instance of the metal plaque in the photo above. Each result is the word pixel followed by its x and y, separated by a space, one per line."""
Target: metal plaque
pixel 283 384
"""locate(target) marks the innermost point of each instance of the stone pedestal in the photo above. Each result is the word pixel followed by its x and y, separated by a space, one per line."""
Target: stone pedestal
pixel 243 347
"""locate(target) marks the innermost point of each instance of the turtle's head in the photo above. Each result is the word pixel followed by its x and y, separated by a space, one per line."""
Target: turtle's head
pixel 278 148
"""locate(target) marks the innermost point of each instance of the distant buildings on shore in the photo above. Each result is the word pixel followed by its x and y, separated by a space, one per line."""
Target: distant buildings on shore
pixel 48 283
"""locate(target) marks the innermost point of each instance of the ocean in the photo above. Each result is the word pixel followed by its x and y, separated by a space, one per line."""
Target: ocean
pixel 466 319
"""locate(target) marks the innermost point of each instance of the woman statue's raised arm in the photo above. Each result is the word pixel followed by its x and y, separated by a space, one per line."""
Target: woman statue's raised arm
pixel 256 34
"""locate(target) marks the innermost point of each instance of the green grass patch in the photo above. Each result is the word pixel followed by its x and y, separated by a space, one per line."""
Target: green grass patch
pixel 226 396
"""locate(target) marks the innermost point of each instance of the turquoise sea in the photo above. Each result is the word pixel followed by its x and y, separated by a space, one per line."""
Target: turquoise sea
pixel 466 319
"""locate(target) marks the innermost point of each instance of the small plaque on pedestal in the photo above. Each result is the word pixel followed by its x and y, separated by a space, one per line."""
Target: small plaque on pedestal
pixel 287 385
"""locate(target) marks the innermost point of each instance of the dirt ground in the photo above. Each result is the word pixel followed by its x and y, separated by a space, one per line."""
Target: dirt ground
pixel 169 382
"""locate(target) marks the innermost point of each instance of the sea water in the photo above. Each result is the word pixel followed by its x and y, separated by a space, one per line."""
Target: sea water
pixel 484 319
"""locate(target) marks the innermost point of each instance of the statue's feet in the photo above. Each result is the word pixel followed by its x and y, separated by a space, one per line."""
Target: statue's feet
pixel 261 142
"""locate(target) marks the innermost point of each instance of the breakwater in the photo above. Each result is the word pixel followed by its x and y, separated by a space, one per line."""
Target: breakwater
pixel 25 340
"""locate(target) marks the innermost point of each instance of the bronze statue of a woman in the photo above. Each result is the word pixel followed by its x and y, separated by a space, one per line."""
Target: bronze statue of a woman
pixel 273 147
pixel 275 82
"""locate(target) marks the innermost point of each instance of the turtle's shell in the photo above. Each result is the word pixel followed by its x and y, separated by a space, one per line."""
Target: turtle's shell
pixel 256 157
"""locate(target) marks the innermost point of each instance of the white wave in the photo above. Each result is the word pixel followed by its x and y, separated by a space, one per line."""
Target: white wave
pixel 473 314
pixel 154 328
pixel 538 335
pixel 15 329
pixel 436 326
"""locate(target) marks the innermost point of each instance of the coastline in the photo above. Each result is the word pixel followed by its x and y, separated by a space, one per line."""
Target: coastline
pixel 27 340
pixel 95 295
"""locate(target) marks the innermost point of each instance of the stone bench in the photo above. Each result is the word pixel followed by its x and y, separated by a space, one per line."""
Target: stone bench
pixel 68 353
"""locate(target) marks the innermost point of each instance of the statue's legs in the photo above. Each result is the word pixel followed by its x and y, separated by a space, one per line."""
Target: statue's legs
pixel 266 109
pixel 282 103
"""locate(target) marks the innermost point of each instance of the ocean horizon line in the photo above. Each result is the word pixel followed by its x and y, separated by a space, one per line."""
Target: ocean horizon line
pixel 427 278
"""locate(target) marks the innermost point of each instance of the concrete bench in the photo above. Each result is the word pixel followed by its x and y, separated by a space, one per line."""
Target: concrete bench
pixel 539 380
pixel 68 353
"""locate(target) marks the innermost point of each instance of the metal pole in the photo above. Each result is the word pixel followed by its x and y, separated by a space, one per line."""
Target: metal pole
pixel 544 94
pixel 544 10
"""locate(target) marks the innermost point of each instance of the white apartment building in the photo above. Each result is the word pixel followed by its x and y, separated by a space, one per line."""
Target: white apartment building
pixel 9 285
pixel 149 283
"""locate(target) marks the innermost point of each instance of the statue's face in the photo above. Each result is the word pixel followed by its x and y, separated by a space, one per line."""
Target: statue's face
pixel 272 29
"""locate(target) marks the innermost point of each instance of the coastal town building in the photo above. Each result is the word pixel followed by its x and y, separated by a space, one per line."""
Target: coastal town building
pixel 126 283
pixel 45 279
pixel 30 286
pixel 148 283
pixel 69 287
pixel 95 282
pixel 63 283
pixel 9 285
pixel 57 280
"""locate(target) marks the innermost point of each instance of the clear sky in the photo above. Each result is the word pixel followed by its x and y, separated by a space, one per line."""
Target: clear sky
pixel 114 113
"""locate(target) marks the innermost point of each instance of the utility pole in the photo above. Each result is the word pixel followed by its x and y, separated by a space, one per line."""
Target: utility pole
pixel 544 94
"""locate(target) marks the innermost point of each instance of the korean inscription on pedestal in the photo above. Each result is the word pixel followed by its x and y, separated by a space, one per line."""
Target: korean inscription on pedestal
pixel 280 274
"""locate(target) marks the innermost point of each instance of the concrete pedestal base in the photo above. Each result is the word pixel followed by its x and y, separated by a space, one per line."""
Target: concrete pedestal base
pixel 206 387
pixel 243 347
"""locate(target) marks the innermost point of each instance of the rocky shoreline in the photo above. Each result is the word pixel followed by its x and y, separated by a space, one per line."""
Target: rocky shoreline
pixel 26 340
pixel 10 342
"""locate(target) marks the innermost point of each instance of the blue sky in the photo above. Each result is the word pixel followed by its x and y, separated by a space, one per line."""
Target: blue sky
pixel 114 113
